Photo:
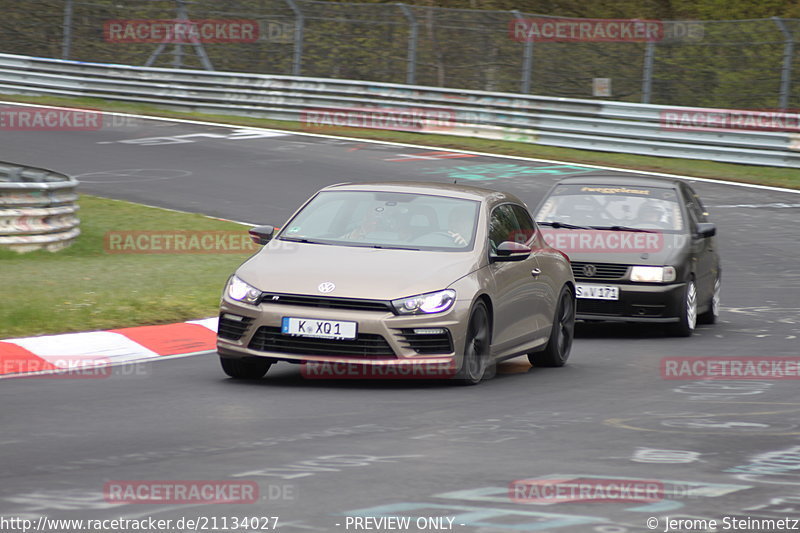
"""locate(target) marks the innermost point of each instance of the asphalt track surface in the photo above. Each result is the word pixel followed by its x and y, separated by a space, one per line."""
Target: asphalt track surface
pixel 322 450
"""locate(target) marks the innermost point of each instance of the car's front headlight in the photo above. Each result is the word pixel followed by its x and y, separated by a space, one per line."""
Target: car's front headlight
pixel 242 292
pixel 652 274
pixel 432 302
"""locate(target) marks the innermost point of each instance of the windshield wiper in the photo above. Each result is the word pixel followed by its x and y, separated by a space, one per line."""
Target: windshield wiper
pixel 383 247
pixel 625 228
pixel 558 224
pixel 301 239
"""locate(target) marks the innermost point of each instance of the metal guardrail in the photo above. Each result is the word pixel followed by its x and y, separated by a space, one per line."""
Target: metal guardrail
pixel 563 122
pixel 37 209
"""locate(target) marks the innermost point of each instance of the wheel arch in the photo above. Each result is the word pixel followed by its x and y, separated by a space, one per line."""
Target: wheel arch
pixel 571 286
pixel 487 301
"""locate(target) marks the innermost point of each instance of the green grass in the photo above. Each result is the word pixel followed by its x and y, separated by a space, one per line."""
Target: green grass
pixel 774 176
pixel 83 287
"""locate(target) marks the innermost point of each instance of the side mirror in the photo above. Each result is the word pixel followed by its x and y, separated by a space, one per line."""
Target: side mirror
pixel 262 234
pixel 511 251
pixel 706 229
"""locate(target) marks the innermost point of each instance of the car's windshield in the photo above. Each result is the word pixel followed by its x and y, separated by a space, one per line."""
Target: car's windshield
pixel 386 220
pixel 626 207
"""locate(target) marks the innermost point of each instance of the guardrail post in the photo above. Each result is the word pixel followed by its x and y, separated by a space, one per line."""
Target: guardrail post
pixel 199 49
pixel 177 52
pixel 413 36
pixel 527 60
pixel 299 28
pixel 66 43
pixel 786 70
pixel 177 60
pixel 647 75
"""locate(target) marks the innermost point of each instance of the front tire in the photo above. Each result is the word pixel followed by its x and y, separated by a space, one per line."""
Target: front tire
pixel 711 316
pixel 559 346
pixel 476 348
pixel 687 318
pixel 246 368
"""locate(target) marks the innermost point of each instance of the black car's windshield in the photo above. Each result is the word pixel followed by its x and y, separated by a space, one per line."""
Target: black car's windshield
pixel 615 207
pixel 386 220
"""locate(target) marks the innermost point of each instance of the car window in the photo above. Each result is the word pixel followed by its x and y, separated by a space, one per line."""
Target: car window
pixel 327 213
pixel 640 207
pixel 503 225
pixel 695 205
pixel 383 219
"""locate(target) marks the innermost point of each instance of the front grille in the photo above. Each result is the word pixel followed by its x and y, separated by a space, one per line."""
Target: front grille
pixel 602 270
pixel 232 329
pixel 351 304
pixel 424 343
pixel 601 307
pixel 364 346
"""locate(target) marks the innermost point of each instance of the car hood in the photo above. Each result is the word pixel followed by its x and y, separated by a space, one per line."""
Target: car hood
pixel 370 273
pixel 666 249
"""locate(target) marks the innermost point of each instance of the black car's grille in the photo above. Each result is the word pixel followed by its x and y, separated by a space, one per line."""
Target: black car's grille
pixel 590 271
pixel 364 346
pixel 352 304
pixel 427 343
pixel 600 307
pixel 232 329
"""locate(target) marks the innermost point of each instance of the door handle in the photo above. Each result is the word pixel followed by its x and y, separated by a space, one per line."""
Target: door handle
pixel 535 272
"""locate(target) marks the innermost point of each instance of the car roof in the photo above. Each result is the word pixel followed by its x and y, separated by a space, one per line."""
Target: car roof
pixel 611 179
pixel 453 190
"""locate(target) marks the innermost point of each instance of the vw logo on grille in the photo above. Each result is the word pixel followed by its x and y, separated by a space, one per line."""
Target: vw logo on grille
pixel 326 287
pixel 589 270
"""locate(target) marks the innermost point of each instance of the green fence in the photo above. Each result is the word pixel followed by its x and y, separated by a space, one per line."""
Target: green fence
pixel 746 64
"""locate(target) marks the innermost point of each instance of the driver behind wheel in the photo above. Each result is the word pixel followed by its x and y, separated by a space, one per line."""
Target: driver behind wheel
pixel 583 210
pixel 650 215
pixel 460 224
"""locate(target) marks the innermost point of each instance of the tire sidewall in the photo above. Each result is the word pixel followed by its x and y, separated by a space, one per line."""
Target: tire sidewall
pixel 465 373
pixel 552 355
pixel 555 333
pixel 685 326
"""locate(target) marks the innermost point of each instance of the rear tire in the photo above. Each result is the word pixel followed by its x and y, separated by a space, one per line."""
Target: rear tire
pixel 476 348
pixel 246 368
pixel 711 316
pixel 559 346
pixel 687 314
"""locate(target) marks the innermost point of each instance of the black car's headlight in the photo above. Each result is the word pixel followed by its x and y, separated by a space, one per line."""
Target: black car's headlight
pixel 653 274
pixel 242 291
pixel 432 302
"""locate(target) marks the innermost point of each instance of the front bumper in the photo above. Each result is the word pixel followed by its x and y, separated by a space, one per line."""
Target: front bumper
pixel 638 302
pixel 383 338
